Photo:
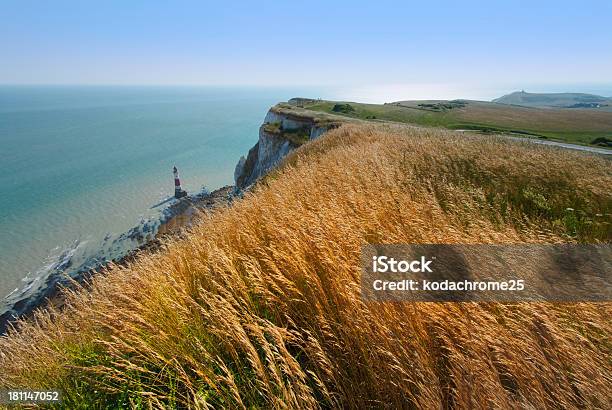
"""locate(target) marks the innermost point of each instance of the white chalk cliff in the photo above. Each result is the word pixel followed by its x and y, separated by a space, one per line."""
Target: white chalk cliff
pixel 285 128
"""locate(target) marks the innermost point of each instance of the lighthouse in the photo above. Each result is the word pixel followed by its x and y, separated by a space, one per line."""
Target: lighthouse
pixel 178 191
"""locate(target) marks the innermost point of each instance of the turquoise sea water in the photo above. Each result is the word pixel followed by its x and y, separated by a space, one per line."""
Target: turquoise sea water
pixel 81 165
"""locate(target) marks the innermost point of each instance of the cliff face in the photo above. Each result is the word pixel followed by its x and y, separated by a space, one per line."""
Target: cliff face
pixel 285 128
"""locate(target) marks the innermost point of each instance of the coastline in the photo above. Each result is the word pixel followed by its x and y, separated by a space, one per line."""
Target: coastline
pixel 175 218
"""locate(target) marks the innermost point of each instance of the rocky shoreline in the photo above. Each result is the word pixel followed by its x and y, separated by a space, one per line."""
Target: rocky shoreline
pixel 174 219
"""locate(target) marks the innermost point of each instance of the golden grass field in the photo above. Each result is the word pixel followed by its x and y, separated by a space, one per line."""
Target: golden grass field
pixel 259 305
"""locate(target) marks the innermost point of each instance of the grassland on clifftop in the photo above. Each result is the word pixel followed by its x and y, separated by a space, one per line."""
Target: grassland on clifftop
pixel 259 305
pixel 582 126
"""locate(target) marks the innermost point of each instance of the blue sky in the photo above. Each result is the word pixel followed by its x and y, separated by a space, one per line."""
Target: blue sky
pixel 442 46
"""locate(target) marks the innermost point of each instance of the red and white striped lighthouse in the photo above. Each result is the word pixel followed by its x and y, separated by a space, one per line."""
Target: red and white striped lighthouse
pixel 178 191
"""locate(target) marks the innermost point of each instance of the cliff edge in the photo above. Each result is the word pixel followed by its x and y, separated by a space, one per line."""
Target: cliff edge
pixel 285 127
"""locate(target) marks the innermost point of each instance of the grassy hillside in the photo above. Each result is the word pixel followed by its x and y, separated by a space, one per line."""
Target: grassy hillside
pixel 259 306
pixel 559 100
pixel 571 125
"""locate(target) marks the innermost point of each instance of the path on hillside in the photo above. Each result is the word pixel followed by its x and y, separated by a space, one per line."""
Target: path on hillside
pixel 595 150
pixel 567 145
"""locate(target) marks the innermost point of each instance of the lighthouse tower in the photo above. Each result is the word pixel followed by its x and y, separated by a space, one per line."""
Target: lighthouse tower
pixel 178 191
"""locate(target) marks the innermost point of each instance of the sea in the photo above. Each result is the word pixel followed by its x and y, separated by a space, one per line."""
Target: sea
pixel 83 165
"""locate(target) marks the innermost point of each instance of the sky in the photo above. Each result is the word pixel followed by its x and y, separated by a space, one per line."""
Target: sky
pixel 442 48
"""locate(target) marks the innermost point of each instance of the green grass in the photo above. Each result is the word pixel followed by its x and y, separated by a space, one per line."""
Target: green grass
pixel 297 136
pixel 575 126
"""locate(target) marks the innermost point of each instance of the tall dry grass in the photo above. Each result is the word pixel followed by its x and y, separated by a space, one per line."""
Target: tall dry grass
pixel 259 307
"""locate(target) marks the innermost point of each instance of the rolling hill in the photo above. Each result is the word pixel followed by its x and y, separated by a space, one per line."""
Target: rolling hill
pixel 555 100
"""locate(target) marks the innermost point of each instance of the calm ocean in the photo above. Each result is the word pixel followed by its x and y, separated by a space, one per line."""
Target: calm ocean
pixel 81 165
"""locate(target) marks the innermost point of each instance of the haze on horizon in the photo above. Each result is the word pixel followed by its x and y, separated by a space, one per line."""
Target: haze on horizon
pixel 371 50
